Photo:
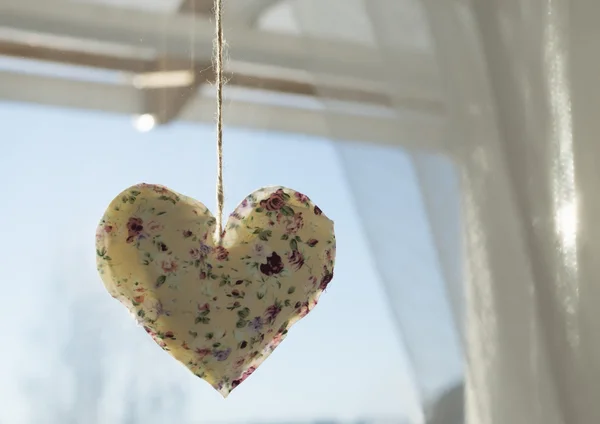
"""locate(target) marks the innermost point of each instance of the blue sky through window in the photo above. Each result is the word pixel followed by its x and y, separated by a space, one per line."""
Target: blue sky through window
pixel 72 353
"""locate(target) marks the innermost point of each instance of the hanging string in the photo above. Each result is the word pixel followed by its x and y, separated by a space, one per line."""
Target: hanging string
pixel 218 64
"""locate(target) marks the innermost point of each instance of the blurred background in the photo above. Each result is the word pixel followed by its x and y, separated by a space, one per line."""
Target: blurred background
pixel 440 138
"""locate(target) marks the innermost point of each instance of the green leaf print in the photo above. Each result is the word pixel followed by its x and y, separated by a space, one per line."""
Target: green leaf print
pixel 202 319
pixel 160 281
pixel 265 235
pixel 287 211
pixel 168 199
pixel 244 313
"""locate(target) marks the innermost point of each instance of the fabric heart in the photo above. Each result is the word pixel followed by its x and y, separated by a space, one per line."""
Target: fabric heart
pixel 218 309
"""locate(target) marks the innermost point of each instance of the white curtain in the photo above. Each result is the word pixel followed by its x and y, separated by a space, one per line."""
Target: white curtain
pixel 519 269
pixel 423 277
pixel 519 85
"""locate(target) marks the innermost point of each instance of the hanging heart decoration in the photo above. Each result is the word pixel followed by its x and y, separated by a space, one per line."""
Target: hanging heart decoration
pixel 218 308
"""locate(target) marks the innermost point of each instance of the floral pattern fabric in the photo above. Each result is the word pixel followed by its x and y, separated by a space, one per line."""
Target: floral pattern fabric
pixel 218 308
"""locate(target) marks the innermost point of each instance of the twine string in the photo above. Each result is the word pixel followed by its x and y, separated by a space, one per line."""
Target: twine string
pixel 218 65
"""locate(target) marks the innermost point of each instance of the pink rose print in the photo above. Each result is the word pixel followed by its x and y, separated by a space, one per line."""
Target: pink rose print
pixel 160 190
pixel 244 376
pixel 326 279
pixel 195 254
pixel 272 312
pixel 154 227
pixel 275 202
pixel 295 224
pixel 236 294
pixel 295 259
pixel 273 266
pixel 303 309
pixel 328 255
pixel 301 197
pixel 135 226
pixel 236 216
pixel 275 342
pixel 203 353
pixel 155 337
pixel 99 235
pixel 277 339
pixel 221 253
pixel 239 362
pixel 169 266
